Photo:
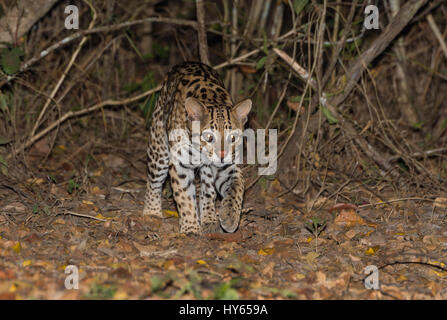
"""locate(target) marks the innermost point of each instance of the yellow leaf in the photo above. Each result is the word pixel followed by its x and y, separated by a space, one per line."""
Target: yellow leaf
pixel 13 288
pixel 97 190
pixel 438 263
pixel 26 263
pixel 441 274
pixel 167 264
pixel 100 216
pixel 402 278
pixel 98 172
pixel 88 202
pixel 298 277
pixel 266 251
pixel 372 250
pixel 202 262
pixel 35 180
pixel 309 239
pixel 171 213
pixel 62 147
pixel 17 247
pixel 440 202
pixel 400 233
pixel 120 295
pixel 369 233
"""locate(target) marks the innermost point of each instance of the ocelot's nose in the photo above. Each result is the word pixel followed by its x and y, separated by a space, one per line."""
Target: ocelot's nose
pixel 222 154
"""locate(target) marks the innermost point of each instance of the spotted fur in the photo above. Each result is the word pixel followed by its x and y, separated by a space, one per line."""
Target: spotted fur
pixel 193 91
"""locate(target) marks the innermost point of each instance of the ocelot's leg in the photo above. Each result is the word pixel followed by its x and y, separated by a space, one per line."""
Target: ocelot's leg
pixel 182 183
pixel 230 185
pixel 158 165
pixel 208 217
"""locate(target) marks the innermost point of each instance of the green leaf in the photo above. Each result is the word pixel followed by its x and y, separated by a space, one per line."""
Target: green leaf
pixel 160 51
pixel 10 60
pixel 266 44
pixel 101 291
pixel 295 99
pixel 4 141
pixel 3 102
pixel 330 118
pixel 417 125
pixel 225 292
pixel 261 63
pixel 299 5
pixel 72 186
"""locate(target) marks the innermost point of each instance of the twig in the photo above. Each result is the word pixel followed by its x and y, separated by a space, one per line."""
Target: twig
pixel 64 75
pixel 296 67
pixel 203 44
pixel 420 154
pixel 406 106
pixel 83 215
pixel 397 24
pixel 233 61
pixel 435 29
pixel 79 34
pixel 31 140
pixel 391 201
pixel 71 114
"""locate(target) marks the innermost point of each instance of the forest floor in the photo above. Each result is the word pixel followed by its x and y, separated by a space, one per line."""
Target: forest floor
pixel 282 250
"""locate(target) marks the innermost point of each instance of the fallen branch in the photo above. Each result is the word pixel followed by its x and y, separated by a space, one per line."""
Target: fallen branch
pixel 82 215
pixel 230 237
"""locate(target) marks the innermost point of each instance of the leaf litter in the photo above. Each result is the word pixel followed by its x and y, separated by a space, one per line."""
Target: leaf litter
pixel 282 249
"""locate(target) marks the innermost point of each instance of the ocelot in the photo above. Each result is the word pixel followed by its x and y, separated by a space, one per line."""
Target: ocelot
pixel 194 117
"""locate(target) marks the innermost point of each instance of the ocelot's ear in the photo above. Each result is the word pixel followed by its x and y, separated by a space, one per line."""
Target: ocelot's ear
pixel 194 108
pixel 242 109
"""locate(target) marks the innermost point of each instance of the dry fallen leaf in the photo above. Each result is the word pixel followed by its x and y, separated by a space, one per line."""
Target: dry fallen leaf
pixel 349 218
pixel 268 270
pixel 372 250
pixel 247 69
pixel 151 251
pixel 311 257
pixel 440 202
pixel 266 251
pixel 171 213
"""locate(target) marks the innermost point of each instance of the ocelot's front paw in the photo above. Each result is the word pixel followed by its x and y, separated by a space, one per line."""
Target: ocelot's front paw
pixel 157 212
pixel 190 229
pixel 229 219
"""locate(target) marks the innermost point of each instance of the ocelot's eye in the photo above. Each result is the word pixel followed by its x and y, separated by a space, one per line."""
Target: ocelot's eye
pixel 233 137
pixel 208 137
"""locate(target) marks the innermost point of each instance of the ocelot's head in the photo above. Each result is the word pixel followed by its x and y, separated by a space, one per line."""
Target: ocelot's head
pixel 220 128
